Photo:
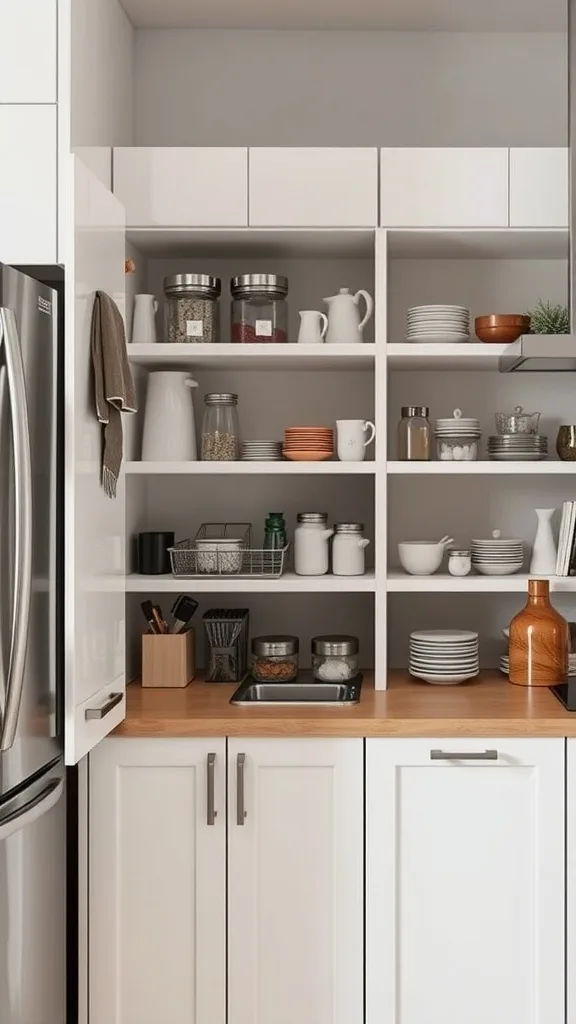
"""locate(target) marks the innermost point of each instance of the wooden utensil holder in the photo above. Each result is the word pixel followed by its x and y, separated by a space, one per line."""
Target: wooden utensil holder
pixel 168 659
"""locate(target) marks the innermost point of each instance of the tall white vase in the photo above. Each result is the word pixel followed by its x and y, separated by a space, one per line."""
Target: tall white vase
pixel 544 551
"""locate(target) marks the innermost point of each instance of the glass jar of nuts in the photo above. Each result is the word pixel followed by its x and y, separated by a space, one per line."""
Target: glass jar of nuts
pixel 192 308
pixel 274 658
pixel 220 429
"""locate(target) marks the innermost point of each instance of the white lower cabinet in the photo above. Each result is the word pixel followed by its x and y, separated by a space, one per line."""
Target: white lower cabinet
pixel 465 881
pixel 157 882
pixel 295 881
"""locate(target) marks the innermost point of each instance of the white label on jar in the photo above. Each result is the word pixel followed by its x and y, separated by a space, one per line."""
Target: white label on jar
pixel 264 328
pixel 194 328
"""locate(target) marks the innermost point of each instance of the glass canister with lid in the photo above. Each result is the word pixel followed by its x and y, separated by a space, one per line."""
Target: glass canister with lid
pixel 192 308
pixel 275 658
pixel 334 658
pixel 220 428
pixel 259 311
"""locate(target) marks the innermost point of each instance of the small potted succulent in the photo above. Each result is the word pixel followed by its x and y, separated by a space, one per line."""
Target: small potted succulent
pixel 547 318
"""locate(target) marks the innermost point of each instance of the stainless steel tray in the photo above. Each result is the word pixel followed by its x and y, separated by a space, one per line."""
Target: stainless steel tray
pixel 303 692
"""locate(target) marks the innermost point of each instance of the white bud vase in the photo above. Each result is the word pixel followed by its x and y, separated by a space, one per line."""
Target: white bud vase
pixel 544 551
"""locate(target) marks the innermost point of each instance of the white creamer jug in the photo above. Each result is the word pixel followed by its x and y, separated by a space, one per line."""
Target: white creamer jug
pixel 348 549
pixel 344 324
pixel 311 550
pixel 169 428
pixel 144 320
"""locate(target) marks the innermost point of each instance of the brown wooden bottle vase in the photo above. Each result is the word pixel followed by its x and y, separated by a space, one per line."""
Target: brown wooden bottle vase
pixel 539 640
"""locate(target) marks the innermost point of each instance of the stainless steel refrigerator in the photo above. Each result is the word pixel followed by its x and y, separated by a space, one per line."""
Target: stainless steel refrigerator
pixel 32 798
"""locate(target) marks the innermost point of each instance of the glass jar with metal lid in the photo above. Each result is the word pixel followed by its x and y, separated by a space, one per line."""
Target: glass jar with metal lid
pixel 259 311
pixel 220 428
pixel 348 549
pixel 415 434
pixel 334 658
pixel 275 658
pixel 192 308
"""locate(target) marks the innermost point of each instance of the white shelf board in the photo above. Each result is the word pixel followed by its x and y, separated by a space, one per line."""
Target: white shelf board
pixel 442 583
pixel 289 583
pixel 478 243
pixel 249 468
pixel 444 356
pixel 164 242
pixel 548 467
pixel 289 356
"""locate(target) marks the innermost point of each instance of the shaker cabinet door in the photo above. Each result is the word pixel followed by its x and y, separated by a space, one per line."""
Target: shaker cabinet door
pixel 28 64
pixel 465 881
pixel 28 198
pixel 539 188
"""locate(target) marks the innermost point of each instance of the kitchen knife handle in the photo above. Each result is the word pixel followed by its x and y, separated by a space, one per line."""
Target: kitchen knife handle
pixel 211 812
pixel 470 755
pixel 240 809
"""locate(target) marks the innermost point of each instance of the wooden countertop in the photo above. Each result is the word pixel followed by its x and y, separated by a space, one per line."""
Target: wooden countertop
pixel 490 706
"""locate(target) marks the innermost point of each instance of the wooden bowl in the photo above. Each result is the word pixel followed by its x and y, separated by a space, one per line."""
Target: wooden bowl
pixel 502 334
pixel 503 320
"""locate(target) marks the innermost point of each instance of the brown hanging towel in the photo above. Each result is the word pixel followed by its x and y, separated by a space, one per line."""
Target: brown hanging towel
pixel 113 384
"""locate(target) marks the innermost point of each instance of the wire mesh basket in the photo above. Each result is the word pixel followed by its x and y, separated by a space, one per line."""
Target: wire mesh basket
pixel 225 550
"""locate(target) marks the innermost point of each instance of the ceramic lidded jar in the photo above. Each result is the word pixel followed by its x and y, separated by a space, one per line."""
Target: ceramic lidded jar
pixel 539 640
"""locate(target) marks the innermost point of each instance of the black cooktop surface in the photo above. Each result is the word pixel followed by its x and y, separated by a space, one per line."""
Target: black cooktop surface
pixel 566 693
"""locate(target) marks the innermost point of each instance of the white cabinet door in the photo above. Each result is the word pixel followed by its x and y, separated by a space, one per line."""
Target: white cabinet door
pixel 539 188
pixel 157 882
pixel 295 881
pixel 28 199
pixel 465 882
pixel 95 524
pixel 28 65
pixel 444 188
pixel 571 880
pixel 313 188
pixel 182 187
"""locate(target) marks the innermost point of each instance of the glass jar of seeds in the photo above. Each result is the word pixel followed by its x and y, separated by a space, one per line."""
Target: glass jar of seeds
pixel 220 429
pixel 192 308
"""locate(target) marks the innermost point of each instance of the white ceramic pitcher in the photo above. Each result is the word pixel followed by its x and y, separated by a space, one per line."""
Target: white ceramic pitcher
pixel 144 320
pixel 169 428
pixel 311 333
pixel 344 324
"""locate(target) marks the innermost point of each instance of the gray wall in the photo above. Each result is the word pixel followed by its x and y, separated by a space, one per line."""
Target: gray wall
pixel 349 88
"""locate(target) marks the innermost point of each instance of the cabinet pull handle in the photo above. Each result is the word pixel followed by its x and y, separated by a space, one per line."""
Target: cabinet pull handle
pixel 106 708
pixel 469 755
pixel 240 811
pixel 211 811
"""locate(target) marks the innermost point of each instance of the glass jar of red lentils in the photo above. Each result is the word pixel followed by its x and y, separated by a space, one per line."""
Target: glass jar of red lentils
pixel 259 310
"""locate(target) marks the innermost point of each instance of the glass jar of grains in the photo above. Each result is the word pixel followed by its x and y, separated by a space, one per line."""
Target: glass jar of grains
pixel 414 434
pixel 220 429
pixel 274 658
pixel 192 308
pixel 259 310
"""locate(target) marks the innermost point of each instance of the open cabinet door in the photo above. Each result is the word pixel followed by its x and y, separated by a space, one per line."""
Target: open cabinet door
pixel 95 676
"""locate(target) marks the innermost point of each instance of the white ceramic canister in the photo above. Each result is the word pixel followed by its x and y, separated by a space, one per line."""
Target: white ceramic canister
pixel 311 551
pixel 459 562
pixel 348 549
pixel 169 429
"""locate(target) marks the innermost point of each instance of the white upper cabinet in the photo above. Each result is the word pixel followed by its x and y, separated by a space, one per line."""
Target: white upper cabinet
pixel 465 881
pixel 28 210
pixel 295 881
pixel 539 188
pixel 444 188
pixel 28 65
pixel 182 187
pixel 314 188
pixel 95 673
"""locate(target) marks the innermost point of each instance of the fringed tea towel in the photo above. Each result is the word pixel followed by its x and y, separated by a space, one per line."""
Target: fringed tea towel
pixel 114 387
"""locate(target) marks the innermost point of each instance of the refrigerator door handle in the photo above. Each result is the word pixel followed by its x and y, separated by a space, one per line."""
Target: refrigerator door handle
pixel 34 809
pixel 3 665
pixel 23 523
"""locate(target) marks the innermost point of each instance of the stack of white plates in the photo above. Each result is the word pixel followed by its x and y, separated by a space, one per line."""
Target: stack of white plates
pixel 438 323
pixel 517 447
pixel 458 426
pixel 444 656
pixel 505 664
pixel 261 451
pixel 497 556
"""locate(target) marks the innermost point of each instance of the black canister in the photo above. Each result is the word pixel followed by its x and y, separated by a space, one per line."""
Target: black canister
pixel 153 553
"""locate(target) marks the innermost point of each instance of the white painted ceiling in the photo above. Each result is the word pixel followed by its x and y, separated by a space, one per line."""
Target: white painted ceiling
pixel 390 15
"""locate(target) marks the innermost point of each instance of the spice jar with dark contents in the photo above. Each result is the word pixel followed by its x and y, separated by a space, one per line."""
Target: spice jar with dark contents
pixel 220 429
pixel 192 308
pixel 259 312
pixel 274 658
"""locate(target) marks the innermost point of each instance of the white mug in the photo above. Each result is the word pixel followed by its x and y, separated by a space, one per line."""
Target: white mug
pixel 351 439
pixel 144 320
pixel 310 332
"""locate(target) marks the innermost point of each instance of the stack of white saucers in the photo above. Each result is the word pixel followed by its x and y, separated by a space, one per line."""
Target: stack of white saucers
pixel 517 447
pixel 261 451
pixel 438 323
pixel 444 656
pixel 505 664
pixel 497 556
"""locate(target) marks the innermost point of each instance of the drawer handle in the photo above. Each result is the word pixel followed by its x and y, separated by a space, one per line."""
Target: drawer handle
pixel 105 709
pixel 211 812
pixel 478 755
pixel 240 810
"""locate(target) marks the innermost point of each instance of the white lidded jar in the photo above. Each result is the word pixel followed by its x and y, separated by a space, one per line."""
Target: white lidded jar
pixel 348 549
pixel 311 551
pixel 459 562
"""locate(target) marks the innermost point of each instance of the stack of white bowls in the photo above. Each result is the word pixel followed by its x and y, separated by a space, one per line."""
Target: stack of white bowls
pixel 497 556
pixel 438 324
pixel 444 656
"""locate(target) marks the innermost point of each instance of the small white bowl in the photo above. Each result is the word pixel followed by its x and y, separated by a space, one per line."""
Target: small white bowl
pixel 421 557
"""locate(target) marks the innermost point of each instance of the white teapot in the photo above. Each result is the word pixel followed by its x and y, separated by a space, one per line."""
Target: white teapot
pixel 344 324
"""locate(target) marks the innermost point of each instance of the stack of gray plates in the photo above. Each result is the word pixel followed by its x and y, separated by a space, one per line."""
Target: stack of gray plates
pixel 261 451
pixel 517 447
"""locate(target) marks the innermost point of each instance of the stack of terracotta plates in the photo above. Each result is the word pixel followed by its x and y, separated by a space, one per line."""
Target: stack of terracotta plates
pixel 308 444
